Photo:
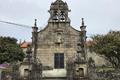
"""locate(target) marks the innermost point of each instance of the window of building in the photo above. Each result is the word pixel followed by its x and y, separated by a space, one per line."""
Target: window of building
pixel 59 60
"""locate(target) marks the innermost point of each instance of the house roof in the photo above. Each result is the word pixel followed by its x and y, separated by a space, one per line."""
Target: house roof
pixel 3 66
pixel 90 43
pixel 25 44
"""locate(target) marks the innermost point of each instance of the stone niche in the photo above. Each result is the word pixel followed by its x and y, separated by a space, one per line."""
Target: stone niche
pixel 81 70
pixel 24 70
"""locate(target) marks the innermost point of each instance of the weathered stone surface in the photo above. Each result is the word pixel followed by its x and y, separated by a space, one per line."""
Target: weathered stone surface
pixel 50 43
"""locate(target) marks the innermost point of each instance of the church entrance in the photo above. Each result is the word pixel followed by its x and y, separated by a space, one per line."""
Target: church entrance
pixel 59 60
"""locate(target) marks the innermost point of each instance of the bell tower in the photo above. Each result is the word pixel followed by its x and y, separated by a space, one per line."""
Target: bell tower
pixel 59 12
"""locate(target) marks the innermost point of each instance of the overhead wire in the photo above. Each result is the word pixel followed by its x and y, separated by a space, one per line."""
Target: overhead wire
pixel 29 27
pixel 22 25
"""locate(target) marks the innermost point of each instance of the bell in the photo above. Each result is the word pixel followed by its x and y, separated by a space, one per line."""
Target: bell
pixel 55 17
pixel 62 17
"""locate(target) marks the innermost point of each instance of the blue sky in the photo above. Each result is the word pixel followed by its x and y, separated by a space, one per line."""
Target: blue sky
pixel 100 16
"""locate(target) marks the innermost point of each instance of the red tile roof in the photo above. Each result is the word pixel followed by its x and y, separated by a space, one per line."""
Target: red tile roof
pixel 25 44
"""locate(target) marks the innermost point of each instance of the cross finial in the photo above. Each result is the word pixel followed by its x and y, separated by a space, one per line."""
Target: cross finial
pixel 35 23
pixel 82 21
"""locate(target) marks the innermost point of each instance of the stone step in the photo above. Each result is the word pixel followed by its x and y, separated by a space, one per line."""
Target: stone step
pixel 55 78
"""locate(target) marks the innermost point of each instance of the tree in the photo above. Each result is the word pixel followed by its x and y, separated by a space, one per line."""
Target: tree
pixel 109 46
pixel 10 51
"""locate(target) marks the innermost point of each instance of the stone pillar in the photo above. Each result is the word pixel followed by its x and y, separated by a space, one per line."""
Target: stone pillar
pixel 83 39
pixel 34 38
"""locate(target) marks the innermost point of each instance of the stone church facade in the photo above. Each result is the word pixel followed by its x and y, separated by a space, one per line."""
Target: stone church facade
pixel 58 38
pixel 57 51
pixel 59 43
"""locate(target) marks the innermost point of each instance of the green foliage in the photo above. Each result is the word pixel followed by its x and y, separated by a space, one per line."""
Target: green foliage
pixel 109 46
pixel 10 51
